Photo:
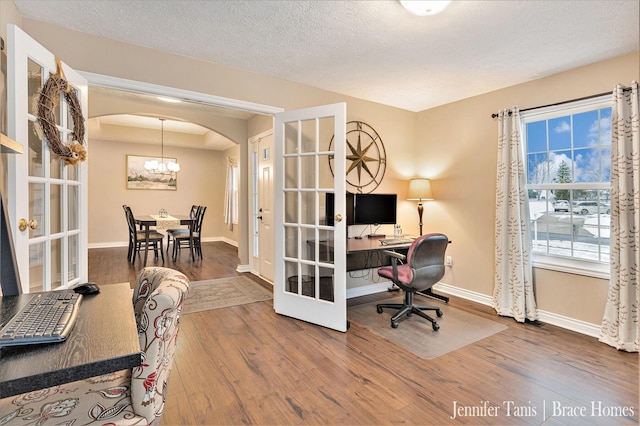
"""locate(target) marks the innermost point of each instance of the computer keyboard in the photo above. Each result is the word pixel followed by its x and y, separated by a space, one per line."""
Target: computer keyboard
pixel 48 317
pixel 393 241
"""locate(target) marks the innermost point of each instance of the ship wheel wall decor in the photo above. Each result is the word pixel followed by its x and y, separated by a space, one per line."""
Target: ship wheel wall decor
pixel 366 158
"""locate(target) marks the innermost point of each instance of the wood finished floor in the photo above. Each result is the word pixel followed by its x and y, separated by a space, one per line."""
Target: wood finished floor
pixel 247 365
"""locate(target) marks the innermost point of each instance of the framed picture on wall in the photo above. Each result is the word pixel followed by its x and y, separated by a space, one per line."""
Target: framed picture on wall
pixel 138 177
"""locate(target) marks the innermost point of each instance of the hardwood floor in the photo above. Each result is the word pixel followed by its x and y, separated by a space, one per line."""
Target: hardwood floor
pixel 247 365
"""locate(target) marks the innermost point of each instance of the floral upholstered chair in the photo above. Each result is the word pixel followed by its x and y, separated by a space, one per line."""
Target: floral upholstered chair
pixel 127 397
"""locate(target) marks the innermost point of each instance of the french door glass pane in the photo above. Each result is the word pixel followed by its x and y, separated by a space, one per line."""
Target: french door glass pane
pixel 55 166
pixel 55 213
pixel 72 207
pixel 72 173
pixel 36 267
pixel 35 152
pixel 56 263
pixel 36 208
pixel 74 253
pixel 34 72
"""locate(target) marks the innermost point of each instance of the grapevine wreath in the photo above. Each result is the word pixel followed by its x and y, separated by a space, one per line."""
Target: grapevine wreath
pixel 73 152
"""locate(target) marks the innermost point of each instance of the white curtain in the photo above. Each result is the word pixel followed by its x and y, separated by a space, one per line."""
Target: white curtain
pixel 230 199
pixel 513 292
pixel 620 322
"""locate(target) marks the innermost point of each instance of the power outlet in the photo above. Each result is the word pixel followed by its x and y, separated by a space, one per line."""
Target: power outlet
pixel 449 260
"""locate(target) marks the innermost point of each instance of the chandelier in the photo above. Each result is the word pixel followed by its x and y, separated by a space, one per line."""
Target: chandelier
pixel 162 167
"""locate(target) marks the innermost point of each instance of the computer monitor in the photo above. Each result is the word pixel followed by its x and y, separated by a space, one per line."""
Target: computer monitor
pixel 375 209
pixel 330 208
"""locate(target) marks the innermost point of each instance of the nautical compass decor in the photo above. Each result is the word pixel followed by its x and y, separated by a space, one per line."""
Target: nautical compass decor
pixel 366 158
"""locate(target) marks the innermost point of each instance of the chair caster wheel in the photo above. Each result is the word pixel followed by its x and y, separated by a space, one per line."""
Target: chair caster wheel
pixel 439 313
pixel 394 324
pixel 435 326
pixel 379 309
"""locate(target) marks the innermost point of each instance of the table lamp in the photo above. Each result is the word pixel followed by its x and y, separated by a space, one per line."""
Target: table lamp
pixel 420 190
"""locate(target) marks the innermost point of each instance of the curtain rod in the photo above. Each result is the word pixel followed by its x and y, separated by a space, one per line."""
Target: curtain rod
pixel 563 102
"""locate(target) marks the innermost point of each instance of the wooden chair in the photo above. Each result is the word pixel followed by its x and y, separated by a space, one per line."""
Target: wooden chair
pixel 137 239
pixel 127 397
pixel 192 214
pixel 181 237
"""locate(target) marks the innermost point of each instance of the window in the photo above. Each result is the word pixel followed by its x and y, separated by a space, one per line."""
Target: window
pixel 568 166
pixel 234 194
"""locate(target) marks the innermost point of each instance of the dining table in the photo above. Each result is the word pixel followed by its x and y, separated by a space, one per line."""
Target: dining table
pixel 165 222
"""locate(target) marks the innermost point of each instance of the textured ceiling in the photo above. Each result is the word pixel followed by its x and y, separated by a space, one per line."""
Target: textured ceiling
pixel 372 50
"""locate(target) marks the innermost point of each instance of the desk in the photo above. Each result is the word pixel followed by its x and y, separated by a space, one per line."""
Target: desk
pixel 365 253
pixel 104 339
pixel 148 221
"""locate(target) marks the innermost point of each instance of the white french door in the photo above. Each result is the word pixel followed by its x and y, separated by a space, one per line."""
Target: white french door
pixel 310 254
pixel 51 197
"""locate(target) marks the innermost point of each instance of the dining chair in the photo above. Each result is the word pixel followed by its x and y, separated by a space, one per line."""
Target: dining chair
pixel 137 239
pixel 127 397
pixel 182 237
pixel 192 214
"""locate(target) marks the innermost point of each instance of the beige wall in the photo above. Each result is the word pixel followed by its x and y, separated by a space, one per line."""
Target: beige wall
pixel 457 148
pixel 109 57
pixel 199 182
pixel 455 145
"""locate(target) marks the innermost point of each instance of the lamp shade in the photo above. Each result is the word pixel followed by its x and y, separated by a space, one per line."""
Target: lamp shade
pixel 420 189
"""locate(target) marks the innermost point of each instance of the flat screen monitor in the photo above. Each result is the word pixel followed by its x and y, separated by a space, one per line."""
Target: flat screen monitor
pixel 330 208
pixel 375 209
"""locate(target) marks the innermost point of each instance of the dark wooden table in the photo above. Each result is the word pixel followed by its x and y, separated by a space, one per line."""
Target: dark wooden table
pixel 104 339
pixel 147 221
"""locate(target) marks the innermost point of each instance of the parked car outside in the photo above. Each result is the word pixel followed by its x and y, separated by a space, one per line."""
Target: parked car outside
pixel 561 206
pixel 591 207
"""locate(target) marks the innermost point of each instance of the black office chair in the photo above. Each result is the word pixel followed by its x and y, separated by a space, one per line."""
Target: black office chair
pixel 423 268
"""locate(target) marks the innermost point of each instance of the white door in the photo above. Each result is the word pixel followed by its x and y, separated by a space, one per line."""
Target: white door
pixel 51 250
pixel 265 206
pixel 310 265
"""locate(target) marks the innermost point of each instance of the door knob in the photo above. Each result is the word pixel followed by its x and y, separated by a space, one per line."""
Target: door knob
pixel 23 224
pixel 338 217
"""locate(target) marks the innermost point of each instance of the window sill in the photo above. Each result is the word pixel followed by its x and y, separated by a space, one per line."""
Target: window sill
pixel 572 266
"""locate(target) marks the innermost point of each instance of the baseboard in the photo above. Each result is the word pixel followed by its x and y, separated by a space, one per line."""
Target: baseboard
pixel 368 289
pixel 114 244
pixel 473 296
pixel 572 324
pixel 243 268
pixel 546 317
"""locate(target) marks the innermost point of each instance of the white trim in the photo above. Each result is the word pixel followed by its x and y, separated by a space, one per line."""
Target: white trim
pixel 186 95
pixel 572 324
pixel 112 244
pixel 576 107
pixel 243 268
pixel 368 289
pixel 546 317
pixel 572 266
pixel 473 296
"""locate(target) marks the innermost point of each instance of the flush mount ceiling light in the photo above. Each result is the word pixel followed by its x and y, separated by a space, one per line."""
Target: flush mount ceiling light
pixel 425 7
